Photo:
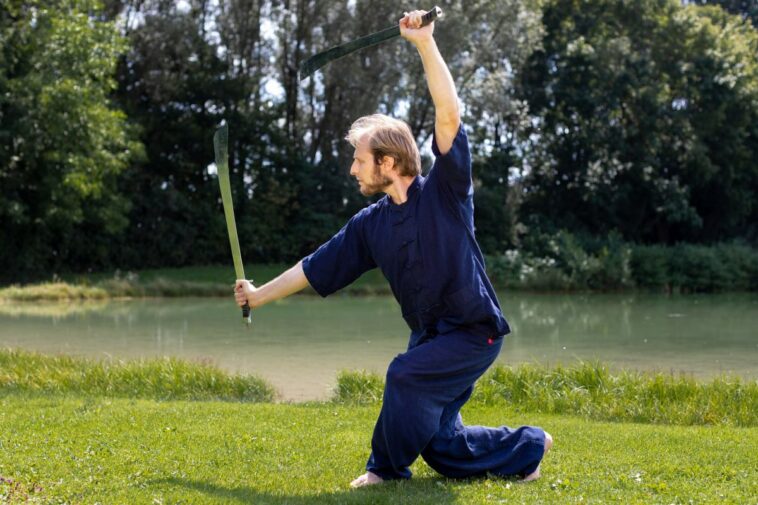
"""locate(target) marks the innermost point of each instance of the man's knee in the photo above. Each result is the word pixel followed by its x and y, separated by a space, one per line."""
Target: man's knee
pixel 398 375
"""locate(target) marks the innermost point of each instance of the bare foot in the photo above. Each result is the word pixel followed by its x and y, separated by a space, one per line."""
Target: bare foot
pixel 536 474
pixel 367 479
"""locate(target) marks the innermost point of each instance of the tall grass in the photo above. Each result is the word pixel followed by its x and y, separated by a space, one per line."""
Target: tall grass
pixel 163 379
pixel 591 390
pixel 53 291
pixel 358 387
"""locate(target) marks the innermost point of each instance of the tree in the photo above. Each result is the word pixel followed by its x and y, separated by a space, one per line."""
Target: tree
pixel 62 144
pixel 645 117
pixel 748 9
pixel 192 64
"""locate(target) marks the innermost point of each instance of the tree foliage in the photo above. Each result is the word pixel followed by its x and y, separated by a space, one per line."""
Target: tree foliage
pixel 62 146
pixel 638 119
pixel 190 65
pixel 647 121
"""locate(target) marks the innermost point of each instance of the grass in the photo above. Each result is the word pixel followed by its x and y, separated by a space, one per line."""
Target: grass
pixel 591 391
pixel 87 450
pixel 74 430
pixel 161 379
pixel 164 282
pixel 588 390
pixel 53 291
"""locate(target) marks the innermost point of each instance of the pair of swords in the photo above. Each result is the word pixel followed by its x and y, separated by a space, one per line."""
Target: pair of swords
pixel 221 137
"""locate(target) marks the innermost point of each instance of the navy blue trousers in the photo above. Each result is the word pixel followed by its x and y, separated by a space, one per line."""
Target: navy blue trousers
pixel 424 392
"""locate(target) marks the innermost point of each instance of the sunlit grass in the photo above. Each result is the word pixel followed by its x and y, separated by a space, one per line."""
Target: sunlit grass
pixel 67 437
pixel 592 391
pixel 53 291
pixel 167 378
pixel 99 450
pixel 358 387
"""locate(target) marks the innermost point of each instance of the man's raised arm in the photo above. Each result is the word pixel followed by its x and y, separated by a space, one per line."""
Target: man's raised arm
pixel 447 116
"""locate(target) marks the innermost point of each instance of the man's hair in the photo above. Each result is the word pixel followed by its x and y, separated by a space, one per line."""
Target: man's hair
pixel 387 137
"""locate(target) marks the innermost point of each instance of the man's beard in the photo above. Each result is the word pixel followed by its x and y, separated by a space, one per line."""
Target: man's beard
pixel 378 183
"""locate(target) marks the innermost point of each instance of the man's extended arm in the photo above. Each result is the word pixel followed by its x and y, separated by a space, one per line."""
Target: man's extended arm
pixel 447 117
pixel 291 281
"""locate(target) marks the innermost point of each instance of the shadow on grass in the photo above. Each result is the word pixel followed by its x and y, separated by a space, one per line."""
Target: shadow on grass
pixel 415 491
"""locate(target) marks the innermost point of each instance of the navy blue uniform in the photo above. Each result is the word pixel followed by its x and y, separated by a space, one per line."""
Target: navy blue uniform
pixel 427 251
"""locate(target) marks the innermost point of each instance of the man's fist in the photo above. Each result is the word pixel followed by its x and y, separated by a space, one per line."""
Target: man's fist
pixel 244 292
pixel 411 29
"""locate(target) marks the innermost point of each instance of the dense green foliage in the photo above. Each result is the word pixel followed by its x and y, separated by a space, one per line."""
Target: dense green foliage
pixel 565 262
pixel 160 379
pixel 648 121
pixel 747 9
pixel 636 121
pixel 591 390
pixel 62 146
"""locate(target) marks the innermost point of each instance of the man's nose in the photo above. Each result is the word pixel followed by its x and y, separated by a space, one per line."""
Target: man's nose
pixel 353 170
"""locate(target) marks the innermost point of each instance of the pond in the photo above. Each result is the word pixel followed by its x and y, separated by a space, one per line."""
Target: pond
pixel 298 344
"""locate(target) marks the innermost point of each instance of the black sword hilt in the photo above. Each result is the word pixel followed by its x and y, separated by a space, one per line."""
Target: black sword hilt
pixel 246 313
pixel 433 13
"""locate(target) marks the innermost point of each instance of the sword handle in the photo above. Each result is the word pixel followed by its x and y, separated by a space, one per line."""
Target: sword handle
pixel 433 13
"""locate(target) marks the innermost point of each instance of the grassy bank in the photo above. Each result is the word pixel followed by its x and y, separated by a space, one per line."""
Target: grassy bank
pixel 160 379
pixel 592 391
pixel 165 282
pixel 589 390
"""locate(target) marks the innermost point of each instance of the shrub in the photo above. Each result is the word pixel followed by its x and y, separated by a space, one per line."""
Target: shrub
pixel 649 266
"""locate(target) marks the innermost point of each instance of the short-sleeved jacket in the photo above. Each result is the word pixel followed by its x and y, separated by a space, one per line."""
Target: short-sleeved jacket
pixel 425 247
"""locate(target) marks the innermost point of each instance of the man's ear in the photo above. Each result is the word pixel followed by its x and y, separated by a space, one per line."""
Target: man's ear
pixel 387 164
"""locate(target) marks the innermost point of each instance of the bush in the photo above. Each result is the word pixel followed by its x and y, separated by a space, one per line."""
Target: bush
pixel 563 261
pixel 649 266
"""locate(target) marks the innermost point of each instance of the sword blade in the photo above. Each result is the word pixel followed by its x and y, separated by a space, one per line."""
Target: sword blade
pixel 319 60
pixel 221 147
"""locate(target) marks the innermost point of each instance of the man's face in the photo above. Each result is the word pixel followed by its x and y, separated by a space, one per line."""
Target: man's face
pixel 367 172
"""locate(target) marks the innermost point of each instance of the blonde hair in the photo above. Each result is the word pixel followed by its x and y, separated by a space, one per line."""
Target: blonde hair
pixel 387 137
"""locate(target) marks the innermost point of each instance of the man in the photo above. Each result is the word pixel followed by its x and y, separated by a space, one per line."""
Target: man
pixel 421 236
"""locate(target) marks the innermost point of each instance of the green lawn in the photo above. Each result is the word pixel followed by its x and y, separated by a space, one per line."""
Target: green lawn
pixel 77 449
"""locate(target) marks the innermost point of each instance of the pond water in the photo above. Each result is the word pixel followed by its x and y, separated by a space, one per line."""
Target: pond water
pixel 298 344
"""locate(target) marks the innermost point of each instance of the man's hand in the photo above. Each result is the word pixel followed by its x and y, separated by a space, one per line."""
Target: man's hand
pixel 447 115
pixel 291 281
pixel 244 291
pixel 412 31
